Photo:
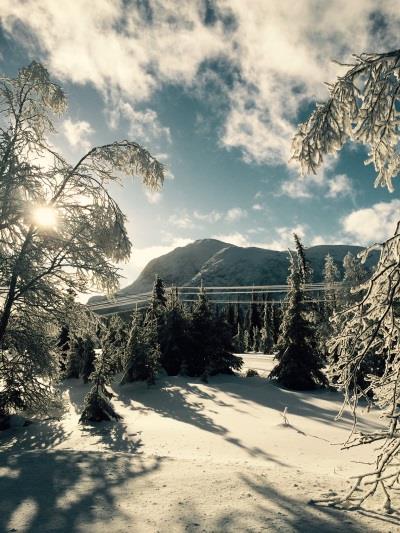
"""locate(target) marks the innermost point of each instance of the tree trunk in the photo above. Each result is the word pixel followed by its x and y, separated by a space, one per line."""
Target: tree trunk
pixel 5 317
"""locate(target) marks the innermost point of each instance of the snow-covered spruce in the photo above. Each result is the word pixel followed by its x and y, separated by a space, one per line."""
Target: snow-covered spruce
pixel 299 362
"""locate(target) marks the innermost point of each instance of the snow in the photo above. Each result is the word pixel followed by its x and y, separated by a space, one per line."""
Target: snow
pixel 187 456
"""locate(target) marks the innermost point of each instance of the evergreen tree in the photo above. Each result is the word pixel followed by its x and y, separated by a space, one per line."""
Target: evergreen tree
pixel 159 299
pixel 276 321
pixel 174 341
pixel 247 320
pixel 231 317
pixel 331 277
pixel 89 358
pixel 256 339
pixel 299 363
pixel 266 333
pixel 64 337
pixel 201 336
pixel 305 270
pixel 73 367
pixel 210 343
pixel 142 353
pixel 63 345
pixel 222 360
pixel 97 405
pixel 113 338
pixel 238 340
pixel 246 341
pixel 240 314
pixel 354 276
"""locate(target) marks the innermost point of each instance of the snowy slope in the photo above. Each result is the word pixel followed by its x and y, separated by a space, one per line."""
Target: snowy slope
pixel 187 456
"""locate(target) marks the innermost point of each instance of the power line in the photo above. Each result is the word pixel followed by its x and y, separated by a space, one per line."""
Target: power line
pixel 143 299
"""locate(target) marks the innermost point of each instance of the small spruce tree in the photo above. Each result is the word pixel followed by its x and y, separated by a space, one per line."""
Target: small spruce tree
pixel 97 405
pixel 142 353
pixel 256 339
pixel 246 341
pixel 74 363
pixel 238 340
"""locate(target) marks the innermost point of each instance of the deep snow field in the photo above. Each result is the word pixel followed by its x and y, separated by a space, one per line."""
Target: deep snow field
pixel 188 457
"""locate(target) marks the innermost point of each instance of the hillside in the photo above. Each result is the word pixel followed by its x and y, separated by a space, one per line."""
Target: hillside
pixel 220 263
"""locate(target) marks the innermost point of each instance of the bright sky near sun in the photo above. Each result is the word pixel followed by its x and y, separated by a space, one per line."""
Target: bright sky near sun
pixel 214 89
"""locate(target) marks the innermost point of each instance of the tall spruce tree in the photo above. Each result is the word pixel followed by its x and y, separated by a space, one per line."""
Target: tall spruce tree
pixel 174 342
pixel 299 362
pixel 159 298
pixel 210 342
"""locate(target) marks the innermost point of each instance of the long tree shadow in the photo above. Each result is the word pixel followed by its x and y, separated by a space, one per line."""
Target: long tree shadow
pixel 175 399
pixel 112 435
pixel 40 435
pixel 183 400
pixel 261 505
pixel 64 490
pixel 305 404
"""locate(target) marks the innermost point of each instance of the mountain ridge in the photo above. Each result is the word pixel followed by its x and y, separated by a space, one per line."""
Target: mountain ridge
pixel 215 262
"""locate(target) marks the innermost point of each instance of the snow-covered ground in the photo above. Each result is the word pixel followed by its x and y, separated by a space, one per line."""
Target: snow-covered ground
pixel 187 456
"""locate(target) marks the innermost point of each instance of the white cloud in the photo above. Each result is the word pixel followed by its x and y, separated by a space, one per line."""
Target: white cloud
pixel 77 133
pixel 372 224
pixel 238 239
pixel 182 220
pixel 322 182
pixel 235 213
pixel 153 197
pixel 296 188
pixel 257 207
pixel 339 185
pixel 279 53
pixel 283 240
pixel 210 217
pixel 144 125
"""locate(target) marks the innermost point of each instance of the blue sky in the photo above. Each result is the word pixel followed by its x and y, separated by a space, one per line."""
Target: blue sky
pixel 215 90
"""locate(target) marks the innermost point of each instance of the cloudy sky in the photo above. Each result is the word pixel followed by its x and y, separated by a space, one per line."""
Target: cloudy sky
pixel 214 89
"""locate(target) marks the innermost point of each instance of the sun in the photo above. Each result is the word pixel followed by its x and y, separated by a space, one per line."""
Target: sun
pixel 45 217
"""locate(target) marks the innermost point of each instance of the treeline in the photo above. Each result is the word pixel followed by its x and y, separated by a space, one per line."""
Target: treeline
pixel 167 337
pixel 196 340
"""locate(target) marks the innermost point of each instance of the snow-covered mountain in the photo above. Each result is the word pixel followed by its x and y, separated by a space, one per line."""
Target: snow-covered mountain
pixel 220 263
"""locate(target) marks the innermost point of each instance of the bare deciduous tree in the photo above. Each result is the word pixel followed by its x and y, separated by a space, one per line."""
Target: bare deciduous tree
pixel 59 226
pixel 363 107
